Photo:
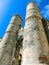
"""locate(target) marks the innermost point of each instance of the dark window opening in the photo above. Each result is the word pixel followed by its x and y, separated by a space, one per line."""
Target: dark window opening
pixel 36 28
pixel 20 26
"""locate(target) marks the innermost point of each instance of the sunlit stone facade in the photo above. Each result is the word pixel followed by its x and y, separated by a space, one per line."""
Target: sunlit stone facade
pixel 35 43
pixel 8 44
pixel 28 45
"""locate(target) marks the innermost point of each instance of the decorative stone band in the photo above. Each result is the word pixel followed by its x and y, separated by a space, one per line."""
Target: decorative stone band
pixel 34 16
pixel 35 29
pixel 10 31
pixel 42 59
pixel 32 4
pixel 14 23
pixel 13 33
pixel 33 9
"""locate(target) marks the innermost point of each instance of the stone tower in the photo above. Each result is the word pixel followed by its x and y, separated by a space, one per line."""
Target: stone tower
pixel 35 45
pixel 8 44
pixel 28 46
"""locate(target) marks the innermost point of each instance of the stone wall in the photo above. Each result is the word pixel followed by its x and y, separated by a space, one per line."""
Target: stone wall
pixel 35 45
pixel 8 44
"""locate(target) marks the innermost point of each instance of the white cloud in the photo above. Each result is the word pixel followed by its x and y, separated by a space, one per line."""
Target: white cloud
pixel 45 11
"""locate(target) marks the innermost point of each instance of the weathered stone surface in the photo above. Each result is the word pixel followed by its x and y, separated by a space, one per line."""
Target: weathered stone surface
pixel 31 40
pixel 20 33
pixel 33 47
pixel 17 53
pixel 8 43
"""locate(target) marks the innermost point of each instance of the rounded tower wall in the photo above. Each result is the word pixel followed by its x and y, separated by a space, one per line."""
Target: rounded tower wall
pixel 7 47
pixel 33 46
pixel 32 11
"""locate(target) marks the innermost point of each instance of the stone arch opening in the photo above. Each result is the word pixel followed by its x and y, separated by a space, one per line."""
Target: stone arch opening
pixel 18 53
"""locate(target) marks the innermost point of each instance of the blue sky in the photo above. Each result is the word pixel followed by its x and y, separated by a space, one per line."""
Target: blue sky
pixel 10 7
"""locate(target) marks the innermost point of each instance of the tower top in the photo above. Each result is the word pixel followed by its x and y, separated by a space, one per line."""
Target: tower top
pixel 32 2
pixel 15 15
pixel 31 5
pixel 32 10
